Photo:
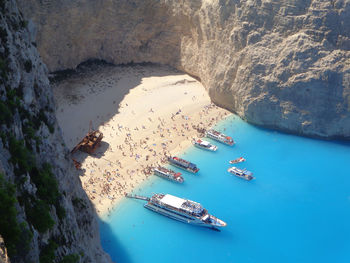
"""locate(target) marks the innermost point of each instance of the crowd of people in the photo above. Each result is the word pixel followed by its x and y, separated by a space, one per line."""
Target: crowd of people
pixel 132 159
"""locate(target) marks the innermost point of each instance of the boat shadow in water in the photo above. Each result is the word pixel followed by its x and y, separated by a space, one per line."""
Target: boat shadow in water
pixel 111 243
pixel 215 229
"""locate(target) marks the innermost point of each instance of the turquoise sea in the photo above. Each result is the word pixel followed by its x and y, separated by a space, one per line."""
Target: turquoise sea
pixel 297 210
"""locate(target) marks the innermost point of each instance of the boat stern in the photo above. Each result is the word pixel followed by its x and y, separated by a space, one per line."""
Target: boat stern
pixel 213 148
pixel 229 141
pixel 180 180
pixel 250 177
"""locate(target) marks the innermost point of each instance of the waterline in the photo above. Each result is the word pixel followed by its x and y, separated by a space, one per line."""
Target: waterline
pixel 297 209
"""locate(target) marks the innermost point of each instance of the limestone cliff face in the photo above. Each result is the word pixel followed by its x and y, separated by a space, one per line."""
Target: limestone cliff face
pixel 3 253
pixel 281 64
pixel 45 214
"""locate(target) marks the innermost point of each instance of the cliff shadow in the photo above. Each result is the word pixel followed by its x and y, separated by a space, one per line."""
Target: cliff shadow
pixel 100 152
pixel 80 156
pixel 110 242
pixel 95 93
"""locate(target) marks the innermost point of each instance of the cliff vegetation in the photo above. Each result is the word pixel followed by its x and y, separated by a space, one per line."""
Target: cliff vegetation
pixel 39 221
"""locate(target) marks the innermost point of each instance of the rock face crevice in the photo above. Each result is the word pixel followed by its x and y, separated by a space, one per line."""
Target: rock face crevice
pixel 280 64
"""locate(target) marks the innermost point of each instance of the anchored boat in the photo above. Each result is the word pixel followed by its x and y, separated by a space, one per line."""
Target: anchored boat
pixel 168 174
pixel 205 145
pixel 220 137
pixel 180 209
pixel 241 173
pixel 183 164
pixel 238 160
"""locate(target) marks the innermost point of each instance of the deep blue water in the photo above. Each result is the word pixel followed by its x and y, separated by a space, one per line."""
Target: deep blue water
pixel 297 210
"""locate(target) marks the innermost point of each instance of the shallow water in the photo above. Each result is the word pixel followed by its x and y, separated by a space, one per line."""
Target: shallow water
pixel 297 209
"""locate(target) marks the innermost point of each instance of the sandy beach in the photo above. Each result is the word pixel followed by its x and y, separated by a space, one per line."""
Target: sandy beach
pixel 144 112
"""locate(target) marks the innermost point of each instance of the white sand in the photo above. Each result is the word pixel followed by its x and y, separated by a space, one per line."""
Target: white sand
pixel 135 108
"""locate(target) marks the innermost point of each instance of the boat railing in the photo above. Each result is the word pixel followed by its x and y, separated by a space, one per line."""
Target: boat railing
pixel 181 210
pixel 165 170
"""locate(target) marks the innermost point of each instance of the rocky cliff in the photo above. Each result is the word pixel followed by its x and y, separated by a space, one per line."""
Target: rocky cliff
pixel 45 214
pixel 280 64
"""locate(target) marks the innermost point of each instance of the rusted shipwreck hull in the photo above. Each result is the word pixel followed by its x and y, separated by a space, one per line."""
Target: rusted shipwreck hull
pixel 89 143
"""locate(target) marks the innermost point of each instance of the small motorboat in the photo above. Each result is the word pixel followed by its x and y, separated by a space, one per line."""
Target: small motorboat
pixel 238 160
pixel 241 173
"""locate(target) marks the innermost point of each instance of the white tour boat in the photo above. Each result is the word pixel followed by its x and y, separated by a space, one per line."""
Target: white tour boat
pixel 180 209
pixel 204 145
pixel 183 164
pixel 220 137
pixel 168 174
pixel 241 173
